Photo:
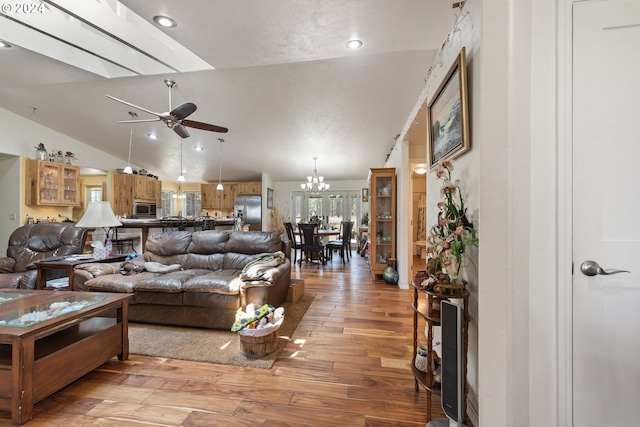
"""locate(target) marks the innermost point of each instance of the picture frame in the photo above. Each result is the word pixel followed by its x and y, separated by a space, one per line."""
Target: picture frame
pixel 365 194
pixel 448 115
pixel 269 198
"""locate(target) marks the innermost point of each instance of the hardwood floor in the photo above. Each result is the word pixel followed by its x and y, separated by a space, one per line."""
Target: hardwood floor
pixel 346 365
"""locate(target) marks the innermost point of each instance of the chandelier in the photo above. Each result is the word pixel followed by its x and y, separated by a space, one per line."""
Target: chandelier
pixel 315 183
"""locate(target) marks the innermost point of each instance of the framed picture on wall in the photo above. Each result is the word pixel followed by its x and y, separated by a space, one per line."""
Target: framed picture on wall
pixel 448 116
pixel 365 194
pixel 269 198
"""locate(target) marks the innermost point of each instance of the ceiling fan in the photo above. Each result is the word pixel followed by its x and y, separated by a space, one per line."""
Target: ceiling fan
pixel 176 118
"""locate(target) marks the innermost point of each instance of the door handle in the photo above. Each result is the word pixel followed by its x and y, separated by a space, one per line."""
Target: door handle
pixel 591 268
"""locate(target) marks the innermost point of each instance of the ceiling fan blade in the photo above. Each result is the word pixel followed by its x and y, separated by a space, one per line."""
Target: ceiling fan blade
pixel 204 126
pixel 183 110
pixel 134 106
pixel 140 120
pixel 181 131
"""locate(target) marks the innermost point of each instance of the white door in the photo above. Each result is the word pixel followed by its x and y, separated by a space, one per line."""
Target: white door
pixel 606 212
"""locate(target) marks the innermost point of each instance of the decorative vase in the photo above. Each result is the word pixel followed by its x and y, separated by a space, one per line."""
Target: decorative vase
pixel 390 275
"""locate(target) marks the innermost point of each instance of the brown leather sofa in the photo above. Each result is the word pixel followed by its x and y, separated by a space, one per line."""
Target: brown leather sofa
pixel 207 290
pixel 34 242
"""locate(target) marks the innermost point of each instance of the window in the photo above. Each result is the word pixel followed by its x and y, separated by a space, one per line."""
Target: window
pixel 336 206
pixel 167 203
pixel 191 204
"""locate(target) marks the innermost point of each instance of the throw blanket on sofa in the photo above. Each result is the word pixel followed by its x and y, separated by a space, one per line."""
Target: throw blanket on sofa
pixel 254 270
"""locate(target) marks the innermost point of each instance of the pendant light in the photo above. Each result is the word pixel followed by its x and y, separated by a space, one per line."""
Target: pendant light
pixel 180 194
pixel 128 168
pixel 220 187
pixel 181 176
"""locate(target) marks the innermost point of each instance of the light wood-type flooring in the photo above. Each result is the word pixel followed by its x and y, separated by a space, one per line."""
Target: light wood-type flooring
pixel 346 365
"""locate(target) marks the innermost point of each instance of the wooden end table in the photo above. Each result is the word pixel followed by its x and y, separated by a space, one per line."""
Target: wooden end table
pixel 66 264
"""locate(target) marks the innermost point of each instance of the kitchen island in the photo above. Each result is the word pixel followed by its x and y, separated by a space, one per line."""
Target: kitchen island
pixel 146 226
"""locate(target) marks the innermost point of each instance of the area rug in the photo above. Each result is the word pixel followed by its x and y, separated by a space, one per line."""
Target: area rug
pixel 209 345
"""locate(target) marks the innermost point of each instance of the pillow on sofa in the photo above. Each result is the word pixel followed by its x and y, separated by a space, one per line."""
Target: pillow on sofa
pixel 156 267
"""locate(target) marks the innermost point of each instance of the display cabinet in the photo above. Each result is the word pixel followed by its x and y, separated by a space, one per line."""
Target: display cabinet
pixel 426 305
pixel 382 224
pixel 52 184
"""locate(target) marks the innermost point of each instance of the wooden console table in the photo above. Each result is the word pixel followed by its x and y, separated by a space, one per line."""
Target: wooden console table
pixel 76 333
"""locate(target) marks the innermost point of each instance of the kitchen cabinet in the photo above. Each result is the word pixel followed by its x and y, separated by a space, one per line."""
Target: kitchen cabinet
pixel 52 184
pixel 128 188
pixel 250 188
pixel 218 199
pixel 382 225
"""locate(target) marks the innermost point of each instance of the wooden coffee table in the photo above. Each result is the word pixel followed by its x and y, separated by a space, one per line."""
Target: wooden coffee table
pixel 50 339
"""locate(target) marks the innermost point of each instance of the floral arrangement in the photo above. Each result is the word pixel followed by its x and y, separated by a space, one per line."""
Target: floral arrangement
pixel 453 233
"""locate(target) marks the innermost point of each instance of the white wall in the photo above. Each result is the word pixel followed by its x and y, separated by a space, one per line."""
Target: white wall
pixel 18 138
pixel 10 206
pixel 517 284
pixel 466 32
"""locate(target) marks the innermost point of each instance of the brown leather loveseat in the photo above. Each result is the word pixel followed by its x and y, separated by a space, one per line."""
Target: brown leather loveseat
pixel 195 278
pixel 34 242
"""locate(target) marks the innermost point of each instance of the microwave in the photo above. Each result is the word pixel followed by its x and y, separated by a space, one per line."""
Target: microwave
pixel 144 209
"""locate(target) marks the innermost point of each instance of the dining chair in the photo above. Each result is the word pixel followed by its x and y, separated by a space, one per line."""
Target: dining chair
pixel 343 244
pixel 295 242
pixel 205 222
pixel 174 223
pixel 312 247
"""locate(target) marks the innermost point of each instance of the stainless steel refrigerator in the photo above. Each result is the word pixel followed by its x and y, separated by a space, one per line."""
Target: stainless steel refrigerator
pixel 251 208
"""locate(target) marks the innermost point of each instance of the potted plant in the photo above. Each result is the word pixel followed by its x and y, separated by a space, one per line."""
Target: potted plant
pixel 365 219
pixel 449 238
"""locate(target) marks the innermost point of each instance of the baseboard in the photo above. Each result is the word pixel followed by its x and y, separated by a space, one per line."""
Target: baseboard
pixel 472 412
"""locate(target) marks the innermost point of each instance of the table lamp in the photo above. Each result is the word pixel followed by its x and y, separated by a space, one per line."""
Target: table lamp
pixel 99 215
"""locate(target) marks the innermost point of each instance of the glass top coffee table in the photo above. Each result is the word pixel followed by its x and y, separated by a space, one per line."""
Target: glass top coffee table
pixel 50 339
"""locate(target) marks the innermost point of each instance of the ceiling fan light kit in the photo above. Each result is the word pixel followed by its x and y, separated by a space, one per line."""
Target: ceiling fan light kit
pixel 176 118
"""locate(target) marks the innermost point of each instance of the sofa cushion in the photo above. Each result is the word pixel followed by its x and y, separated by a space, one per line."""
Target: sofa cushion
pixel 209 242
pixel 117 282
pixel 34 242
pixel 156 267
pixel 219 281
pixel 164 246
pixel 255 242
pixel 169 282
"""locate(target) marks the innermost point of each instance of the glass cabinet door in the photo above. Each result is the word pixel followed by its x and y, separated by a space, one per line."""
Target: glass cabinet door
pixel 49 183
pixel 54 184
pixel 382 224
pixel 71 179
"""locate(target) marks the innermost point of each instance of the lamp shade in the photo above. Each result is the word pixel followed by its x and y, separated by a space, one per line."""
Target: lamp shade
pixel 98 214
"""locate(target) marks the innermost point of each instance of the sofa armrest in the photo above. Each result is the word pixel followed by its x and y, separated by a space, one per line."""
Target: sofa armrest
pixel 7 265
pixel 271 289
pixel 89 270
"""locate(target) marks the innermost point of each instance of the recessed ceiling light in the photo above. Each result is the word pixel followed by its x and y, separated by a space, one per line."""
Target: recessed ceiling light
pixel 4 44
pixel 354 44
pixel 198 148
pixel 152 136
pixel 164 21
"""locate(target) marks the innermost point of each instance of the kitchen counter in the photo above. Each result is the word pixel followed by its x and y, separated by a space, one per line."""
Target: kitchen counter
pixel 146 224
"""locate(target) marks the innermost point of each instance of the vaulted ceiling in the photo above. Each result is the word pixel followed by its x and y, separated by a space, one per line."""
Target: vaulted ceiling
pixel 276 73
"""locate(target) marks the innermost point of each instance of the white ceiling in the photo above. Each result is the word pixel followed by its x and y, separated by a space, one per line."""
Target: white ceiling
pixel 284 84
